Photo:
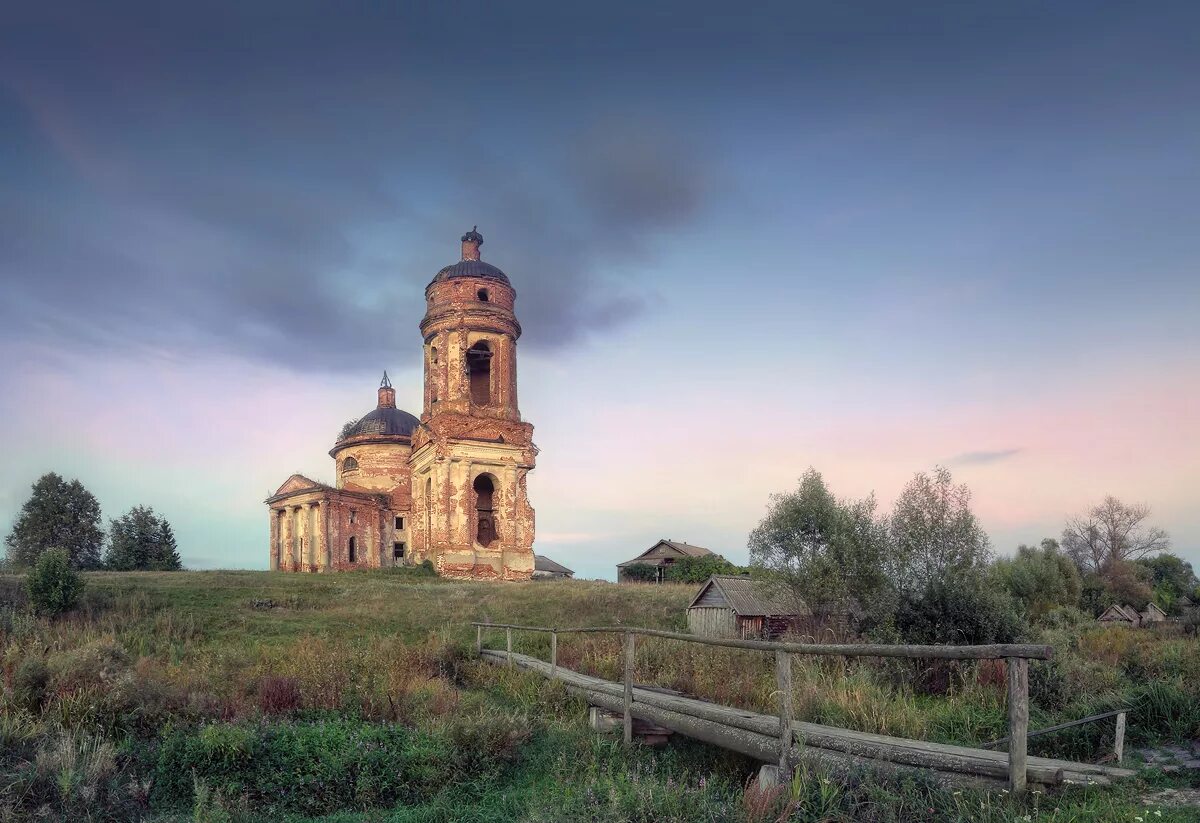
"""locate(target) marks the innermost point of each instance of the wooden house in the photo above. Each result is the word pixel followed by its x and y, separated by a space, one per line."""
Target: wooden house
pixel 1118 615
pixel 737 606
pixel 661 556
pixel 546 569
pixel 1153 614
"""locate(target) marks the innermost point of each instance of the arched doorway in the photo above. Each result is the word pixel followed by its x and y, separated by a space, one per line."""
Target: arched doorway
pixel 485 520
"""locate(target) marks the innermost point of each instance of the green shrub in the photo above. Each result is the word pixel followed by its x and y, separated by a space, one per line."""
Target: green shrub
pixel 29 684
pixel 54 587
pixel 640 573
pixel 308 768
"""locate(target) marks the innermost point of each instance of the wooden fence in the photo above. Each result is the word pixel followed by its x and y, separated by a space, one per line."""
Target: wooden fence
pixel 1016 656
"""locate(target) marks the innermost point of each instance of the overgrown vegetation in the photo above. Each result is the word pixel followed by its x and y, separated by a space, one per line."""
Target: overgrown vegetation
pixel 257 696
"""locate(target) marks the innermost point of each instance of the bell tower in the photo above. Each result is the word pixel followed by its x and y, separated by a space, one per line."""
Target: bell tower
pixel 472 451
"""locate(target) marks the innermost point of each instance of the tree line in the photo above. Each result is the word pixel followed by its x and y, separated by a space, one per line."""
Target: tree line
pixel 926 572
pixel 62 515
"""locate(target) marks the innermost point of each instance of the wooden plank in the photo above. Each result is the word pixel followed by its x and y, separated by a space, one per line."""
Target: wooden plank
pixel 1059 727
pixel 1119 739
pixel 1018 723
pixel 939 757
pixel 478 639
pixel 508 641
pixel 783 682
pixel 628 697
pixel 553 654
pixel 987 652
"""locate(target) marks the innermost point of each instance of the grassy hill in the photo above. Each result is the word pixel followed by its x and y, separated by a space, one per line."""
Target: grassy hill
pixel 356 697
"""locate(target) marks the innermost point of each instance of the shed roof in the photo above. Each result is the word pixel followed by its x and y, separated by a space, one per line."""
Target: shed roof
pixel 542 563
pixel 752 598
pixel 685 549
pixel 1119 612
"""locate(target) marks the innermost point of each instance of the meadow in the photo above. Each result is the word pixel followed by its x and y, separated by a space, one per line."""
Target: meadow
pixel 243 696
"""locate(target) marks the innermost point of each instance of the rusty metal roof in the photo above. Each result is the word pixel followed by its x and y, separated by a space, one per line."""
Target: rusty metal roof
pixel 753 598
pixel 685 549
pixel 542 563
pixel 385 422
pixel 471 268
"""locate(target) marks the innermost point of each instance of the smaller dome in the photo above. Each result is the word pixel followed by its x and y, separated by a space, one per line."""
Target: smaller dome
pixel 383 422
pixel 471 268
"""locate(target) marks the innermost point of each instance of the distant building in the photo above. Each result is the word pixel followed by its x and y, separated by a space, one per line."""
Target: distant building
pixel 1117 615
pixel 661 556
pixel 739 606
pixel 544 568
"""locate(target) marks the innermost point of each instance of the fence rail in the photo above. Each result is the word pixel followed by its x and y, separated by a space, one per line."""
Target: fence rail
pixel 1016 656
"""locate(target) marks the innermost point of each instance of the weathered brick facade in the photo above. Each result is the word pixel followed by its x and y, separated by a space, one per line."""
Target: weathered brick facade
pixel 449 487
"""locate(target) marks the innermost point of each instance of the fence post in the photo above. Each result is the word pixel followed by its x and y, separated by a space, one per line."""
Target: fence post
pixel 783 682
pixel 1119 740
pixel 628 687
pixel 1018 722
pixel 478 640
pixel 508 638
pixel 553 655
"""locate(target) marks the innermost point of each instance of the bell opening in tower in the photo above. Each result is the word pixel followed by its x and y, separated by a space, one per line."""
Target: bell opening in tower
pixel 479 369
pixel 485 530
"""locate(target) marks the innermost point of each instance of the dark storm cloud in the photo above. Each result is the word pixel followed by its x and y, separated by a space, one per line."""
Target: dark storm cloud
pixel 282 187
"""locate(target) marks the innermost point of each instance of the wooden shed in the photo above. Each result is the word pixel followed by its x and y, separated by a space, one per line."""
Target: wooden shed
pixel 546 569
pixel 737 606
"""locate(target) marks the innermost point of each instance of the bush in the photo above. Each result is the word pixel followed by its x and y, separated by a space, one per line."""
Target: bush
pixel 54 587
pixel 29 684
pixel 640 573
pixel 699 569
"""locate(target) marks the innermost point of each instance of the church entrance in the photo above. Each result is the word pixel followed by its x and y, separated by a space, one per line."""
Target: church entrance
pixel 485 530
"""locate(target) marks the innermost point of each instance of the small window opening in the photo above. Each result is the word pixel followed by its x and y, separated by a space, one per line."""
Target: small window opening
pixel 479 369
pixel 349 464
pixel 397 551
pixel 482 294
pixel 353 551
pixel 433 355
pixel 485 530
pixel 399 524
pixel 352 514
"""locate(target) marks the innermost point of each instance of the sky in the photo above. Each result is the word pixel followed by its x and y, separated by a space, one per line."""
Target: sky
pixel 746 239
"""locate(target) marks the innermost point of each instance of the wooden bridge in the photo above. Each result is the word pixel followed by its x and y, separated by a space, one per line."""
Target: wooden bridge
pixel 779 739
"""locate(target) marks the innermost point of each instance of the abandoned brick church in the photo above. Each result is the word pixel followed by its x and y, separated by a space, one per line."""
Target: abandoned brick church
pixel 448 487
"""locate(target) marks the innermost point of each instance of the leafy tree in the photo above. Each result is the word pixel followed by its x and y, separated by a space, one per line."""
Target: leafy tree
pixel 58 514
pixel 699 569
pixel 1040 579
pixel 1171 574
pixel 1110 534
pixel 938 565
pixel 824 550
pixel 53 585
pixel 933 534
pixel 140 540
pixel 1122 583
pixel 640 573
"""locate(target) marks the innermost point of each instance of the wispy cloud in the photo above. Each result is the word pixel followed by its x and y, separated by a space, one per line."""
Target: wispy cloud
pixel 982 457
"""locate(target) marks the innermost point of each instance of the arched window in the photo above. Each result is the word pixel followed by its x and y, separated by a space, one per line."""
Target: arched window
pixel 479 369
pixel 349 464
pixel 485 528
pixel 353 551
pixel 482 294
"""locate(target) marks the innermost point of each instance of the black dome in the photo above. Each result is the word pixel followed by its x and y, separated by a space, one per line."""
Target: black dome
pixel 471 268
pixel 383 422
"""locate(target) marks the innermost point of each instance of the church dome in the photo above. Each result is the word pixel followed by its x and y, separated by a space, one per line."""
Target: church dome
pixel 471 265
pixel 383 422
